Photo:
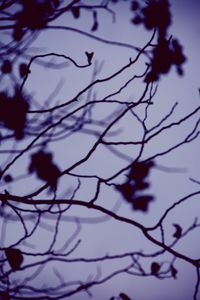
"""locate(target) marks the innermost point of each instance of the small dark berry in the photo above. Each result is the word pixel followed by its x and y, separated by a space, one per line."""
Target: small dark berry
pixel 8 178
pixel 6 67
pixel 134 5
pixel 137 20
pixel 23 70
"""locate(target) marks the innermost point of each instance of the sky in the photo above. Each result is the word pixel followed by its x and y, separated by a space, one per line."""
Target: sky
pixel 110 236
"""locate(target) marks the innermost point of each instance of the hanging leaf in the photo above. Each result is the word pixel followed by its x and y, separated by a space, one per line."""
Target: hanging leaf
pixel 23 70
pixel 42 164
pixel 155 267
pixel 142 202
pixel 127 190
pixel 18 33
pixel 13 112
pixel 178 231
pixel 76 12
pixel 14 257
pixel 124 296
pixel 142 185
pixel 173 272
pixel 6 67
pixel 89 56
pixel 140 170
pixel 95 24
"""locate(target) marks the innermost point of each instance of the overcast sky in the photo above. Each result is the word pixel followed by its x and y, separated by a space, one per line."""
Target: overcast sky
pixel 111 236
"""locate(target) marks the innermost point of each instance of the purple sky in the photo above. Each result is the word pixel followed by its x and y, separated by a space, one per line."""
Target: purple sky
pixel 113 237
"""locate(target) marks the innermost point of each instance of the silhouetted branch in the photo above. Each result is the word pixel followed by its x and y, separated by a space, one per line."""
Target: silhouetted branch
pixel 80 151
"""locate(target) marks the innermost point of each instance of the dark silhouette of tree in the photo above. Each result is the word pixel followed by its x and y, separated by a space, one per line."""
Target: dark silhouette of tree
pixel 48 149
